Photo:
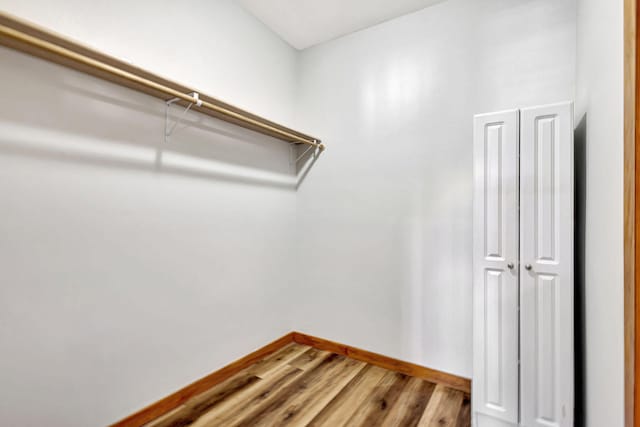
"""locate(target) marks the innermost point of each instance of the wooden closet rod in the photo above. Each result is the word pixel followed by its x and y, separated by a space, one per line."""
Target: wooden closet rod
pixel 30 39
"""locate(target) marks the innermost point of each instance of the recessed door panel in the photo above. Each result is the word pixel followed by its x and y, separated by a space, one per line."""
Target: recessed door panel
pixel 545 346
pixel 493 199
pixel 546 274
pixel 545 187
pixel 495 288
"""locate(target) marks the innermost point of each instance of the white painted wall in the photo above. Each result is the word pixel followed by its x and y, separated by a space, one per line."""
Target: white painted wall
pixel 211 45
pixel 600 99
pixel 387 212
pixel 91 328
pixel 124 278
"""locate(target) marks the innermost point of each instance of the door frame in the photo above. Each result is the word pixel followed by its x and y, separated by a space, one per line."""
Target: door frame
pixel 631 213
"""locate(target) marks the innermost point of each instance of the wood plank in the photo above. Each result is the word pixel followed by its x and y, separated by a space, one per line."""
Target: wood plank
pixel 196 407
pixel 278 409
pixel 378 403
pixel 630 206
pixel 305 406
pixel 169 415
pixel 289 382
pixel 206 401
pixel 342 407
pixel 307 360
pixel 179 397
pixel 283 356
pixel 411 369
pixel 235 409
pixel 464 416
pixel 443 408
pixel 631 212
pixel 411 404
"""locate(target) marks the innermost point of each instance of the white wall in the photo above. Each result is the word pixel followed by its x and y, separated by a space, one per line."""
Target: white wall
pixel 212 45
pixel 387 213
pixel 92 328
pixel 124 277
pixel 600 107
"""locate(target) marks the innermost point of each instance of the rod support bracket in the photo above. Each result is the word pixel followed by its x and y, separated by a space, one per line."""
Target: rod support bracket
pixel 169 129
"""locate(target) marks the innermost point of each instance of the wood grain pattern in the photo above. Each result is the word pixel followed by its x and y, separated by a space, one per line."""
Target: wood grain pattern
pixel 443 408
pixel 317 393
pixel 267 414
pixel 234 410
pixel 221 393
pixel 286 354
pixel 631 211
pixel 411 404
pixel 464 417
pixel 309 387
pixel 308 359
pixel 340 409
pixel 380 401
pixel 201 404
pixel 411 369
pixel 176 399
pixel 288 383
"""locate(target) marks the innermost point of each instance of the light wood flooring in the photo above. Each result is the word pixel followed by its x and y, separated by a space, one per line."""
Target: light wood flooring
pixel 302 386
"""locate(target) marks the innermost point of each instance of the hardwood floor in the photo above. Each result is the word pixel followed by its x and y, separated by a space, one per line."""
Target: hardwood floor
pixel 302 386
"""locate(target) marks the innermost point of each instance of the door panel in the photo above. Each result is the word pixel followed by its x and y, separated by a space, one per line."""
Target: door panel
pixel 546 273
pixel 495 271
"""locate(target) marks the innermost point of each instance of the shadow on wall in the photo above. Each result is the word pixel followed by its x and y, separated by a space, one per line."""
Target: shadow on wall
pixel 580 145
pixel 60 115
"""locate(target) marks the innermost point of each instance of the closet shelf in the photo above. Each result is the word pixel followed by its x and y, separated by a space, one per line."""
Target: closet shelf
pixel 29 38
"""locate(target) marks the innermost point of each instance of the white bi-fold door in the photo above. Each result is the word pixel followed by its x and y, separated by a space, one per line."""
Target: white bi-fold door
pixel 546 275
pixel 495 269
pixel 523 268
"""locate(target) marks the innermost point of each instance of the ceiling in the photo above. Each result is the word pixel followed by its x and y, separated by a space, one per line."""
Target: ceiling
pixel 304 23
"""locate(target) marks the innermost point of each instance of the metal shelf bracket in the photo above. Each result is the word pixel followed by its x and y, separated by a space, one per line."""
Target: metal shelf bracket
pixel 170 128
